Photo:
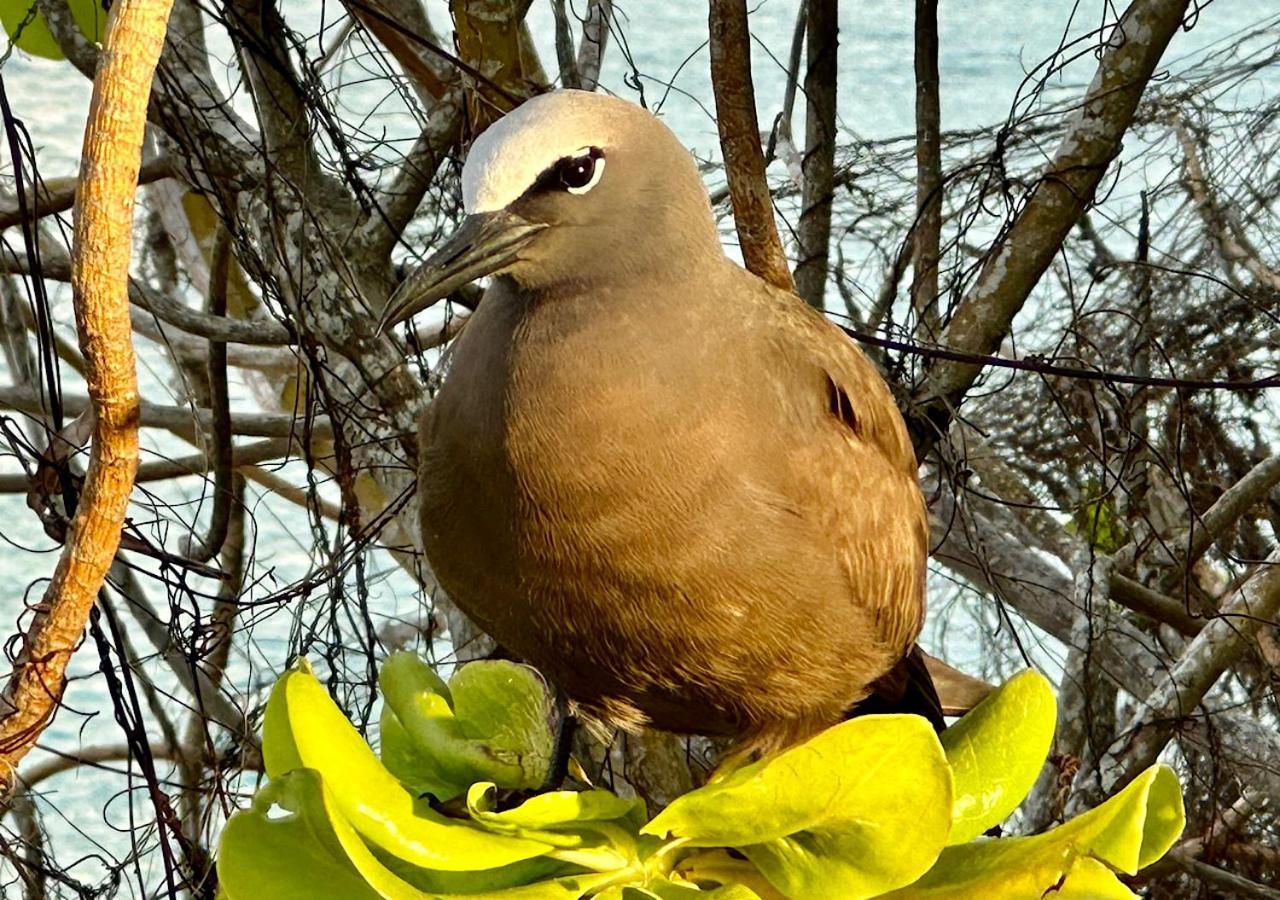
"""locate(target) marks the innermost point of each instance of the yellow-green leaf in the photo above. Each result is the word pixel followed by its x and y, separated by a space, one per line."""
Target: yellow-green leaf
pixel 295 844
pixel 489 724
pixel 860 809
pixel 26 27
pixel 996 753
pixel 303 727
pixel 1130 831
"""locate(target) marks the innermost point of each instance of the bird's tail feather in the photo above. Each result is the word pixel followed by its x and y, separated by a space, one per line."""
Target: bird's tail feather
pixel 906 688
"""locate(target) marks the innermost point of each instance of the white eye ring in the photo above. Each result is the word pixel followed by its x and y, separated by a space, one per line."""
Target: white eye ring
pixel 597 171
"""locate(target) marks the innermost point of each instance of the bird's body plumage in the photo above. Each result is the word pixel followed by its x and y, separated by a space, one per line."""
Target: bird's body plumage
pixel 682 494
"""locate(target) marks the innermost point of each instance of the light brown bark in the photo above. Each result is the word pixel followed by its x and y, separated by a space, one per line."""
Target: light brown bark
pixel 103 240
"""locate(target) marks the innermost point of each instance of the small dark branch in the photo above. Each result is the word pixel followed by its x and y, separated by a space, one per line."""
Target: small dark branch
pixel 216 648
pixel 1065 190
pixel 740 143
pixel 928 228
pixel 565 54
pixel 595 37
pixel 819 152
pixel 203 550
pixel 57 195
pixel 1232 246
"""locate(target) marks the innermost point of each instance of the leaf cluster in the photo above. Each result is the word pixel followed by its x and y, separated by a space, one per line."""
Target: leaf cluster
pixel 874 807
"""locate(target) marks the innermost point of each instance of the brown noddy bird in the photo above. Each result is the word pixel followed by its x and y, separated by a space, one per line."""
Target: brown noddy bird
pixel 680 492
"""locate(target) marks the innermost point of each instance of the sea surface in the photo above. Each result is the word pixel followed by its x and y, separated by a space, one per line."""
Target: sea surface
pixel 988 48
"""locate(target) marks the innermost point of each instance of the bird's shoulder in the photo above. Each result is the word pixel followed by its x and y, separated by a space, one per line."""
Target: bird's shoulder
pixel 818 364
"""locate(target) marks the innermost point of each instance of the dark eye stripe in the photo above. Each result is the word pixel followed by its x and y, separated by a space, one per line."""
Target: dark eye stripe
pixel 550 179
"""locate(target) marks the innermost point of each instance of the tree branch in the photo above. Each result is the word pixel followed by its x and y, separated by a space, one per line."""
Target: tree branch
pixel 928 225
pixel 181 420
pixel 58 194
pixel 1065 189
pixel 103 236
pixel 595 37
pixel 1221 643
pixel 740 143
pixel 818 166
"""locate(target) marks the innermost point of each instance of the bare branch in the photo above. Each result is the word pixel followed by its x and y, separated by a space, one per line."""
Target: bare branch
pixel 181 467
pixel 1060 197
pixel 262 333
pixel 595 37
pixel 1234 248
pixel 928 225
pixel 57 194
pixel 814 232
pixel 740 143
pixel 181 420
pixel 565 55
pixel 1215 649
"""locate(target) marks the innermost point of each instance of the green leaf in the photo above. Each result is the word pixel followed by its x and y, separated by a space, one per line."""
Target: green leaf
pixel 517 874
pixel 596 829
pixel 289 853
pixel 996 753
pixel 554 809
pixel 417 770
pixel 670 890
pixel 295 844
pixel 32 34
pixel 860 809
pixel 1130 831
pixel 304 728
pixel 488 724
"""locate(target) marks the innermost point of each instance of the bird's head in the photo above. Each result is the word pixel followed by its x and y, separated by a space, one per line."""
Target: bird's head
pixel 570 186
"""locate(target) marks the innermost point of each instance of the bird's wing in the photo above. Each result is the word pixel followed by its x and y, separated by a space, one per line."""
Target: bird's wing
pixel 855 463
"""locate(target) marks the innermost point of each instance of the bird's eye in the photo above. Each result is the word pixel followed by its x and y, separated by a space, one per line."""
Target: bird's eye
pixel 579 174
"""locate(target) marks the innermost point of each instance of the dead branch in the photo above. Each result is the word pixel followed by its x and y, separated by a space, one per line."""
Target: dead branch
pixel 57 194
pixel 1215 649
pixel 181 420
pixel 1061 195
pixel 595 37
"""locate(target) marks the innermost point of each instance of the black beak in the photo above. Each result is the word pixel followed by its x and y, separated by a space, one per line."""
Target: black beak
pixel 483 244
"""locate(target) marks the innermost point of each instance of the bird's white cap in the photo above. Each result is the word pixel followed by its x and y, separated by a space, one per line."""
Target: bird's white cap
pixel 507 159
